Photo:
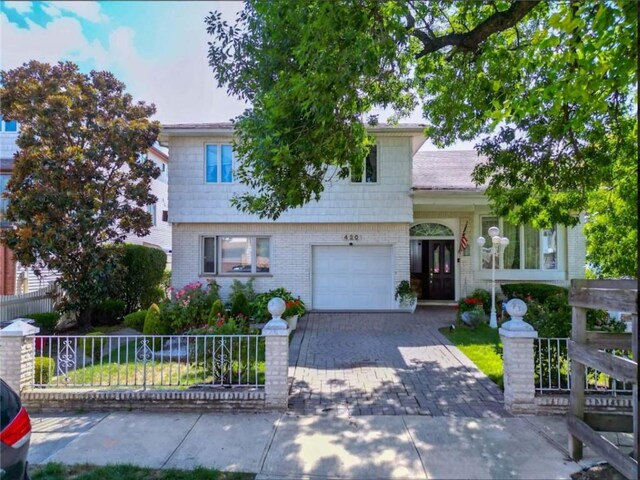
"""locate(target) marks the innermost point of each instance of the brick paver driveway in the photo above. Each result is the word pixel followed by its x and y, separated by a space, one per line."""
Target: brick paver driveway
pixel 385 364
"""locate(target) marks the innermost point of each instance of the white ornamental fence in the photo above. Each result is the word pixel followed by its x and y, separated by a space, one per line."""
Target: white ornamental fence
pixel 16 306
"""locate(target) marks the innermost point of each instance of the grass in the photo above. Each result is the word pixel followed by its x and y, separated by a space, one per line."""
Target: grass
pixel 483 347
pixel 56 471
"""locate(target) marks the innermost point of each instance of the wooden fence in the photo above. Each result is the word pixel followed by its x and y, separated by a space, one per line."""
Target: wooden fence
pixel 585 350
pixel 15 306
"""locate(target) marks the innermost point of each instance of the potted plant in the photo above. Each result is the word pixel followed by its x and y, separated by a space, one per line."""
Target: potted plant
pixel 406 297
pixel 294 309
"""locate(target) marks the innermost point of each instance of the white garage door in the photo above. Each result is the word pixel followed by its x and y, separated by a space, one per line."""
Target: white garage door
pixel 352 278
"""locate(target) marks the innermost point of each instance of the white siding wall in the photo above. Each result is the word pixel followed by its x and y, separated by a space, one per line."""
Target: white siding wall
pixel 290 251
pixel 194 201
pixel 160 234
pixel 8 144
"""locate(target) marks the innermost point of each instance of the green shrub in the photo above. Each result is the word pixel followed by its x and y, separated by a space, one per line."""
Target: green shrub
pixel 535 291
pixel 484 296
pixel 553 317
pixel 135 320
pixel 109 312
pixel 44 370
pixel 240 305
pixel 46 321
pixel 217 312
pixel 152 295
pixel 95 348
pixel 142 272
pixel 244 289
pixel 154 325
pixel 259 310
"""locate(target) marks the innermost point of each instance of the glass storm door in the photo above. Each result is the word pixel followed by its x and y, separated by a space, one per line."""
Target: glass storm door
pixel 432 269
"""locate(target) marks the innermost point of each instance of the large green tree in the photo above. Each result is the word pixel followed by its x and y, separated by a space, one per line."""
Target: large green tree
pixel 79 180
pixel 548 86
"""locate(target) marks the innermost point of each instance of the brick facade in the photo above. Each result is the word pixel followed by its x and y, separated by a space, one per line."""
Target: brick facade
pixel 291 249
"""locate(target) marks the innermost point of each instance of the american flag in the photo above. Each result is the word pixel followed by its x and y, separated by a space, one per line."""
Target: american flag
pixel 463 239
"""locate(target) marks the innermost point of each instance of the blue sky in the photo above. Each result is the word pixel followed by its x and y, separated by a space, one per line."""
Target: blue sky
pixel 158 49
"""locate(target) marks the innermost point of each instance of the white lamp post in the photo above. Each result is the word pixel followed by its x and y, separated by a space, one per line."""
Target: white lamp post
pixel 494 249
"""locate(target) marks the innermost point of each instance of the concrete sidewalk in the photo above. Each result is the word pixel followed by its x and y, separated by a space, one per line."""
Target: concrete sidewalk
pixel 289 446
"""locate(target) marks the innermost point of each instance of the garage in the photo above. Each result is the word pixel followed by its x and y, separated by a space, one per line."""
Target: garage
pixel 358 277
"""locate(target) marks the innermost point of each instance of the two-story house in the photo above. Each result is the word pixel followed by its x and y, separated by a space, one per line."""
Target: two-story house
pixel 16 278
pixel 403 219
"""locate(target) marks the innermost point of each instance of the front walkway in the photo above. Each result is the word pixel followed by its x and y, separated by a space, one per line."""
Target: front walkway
pixel 386 364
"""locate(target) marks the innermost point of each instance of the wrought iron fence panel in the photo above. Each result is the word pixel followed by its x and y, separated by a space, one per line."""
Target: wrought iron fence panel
pixel 553 370
pixel 148 361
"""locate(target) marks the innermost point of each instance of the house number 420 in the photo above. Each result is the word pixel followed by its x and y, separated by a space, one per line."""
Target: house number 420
pixel 351 237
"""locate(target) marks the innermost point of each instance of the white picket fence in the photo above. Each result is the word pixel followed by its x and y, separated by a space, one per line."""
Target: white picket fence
pixel 15 306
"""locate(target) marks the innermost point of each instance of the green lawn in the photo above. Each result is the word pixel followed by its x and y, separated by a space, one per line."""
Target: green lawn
pixel 56 471
pixel 119 366
pixel 483 347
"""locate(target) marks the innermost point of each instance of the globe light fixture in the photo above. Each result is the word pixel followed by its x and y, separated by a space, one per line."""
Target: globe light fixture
pixel 497 242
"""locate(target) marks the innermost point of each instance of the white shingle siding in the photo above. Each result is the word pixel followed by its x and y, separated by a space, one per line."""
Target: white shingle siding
pixel 194 201
pixel 291 246
pixel 8 144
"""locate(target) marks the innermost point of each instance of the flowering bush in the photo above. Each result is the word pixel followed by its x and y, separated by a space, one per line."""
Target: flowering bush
pixel 190 306
pixel 294 307
pixel 223 325
pixel 479 299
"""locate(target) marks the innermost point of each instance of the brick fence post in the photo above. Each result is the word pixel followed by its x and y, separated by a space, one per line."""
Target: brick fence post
pixel 517 355
pixel 276 333
pixel 17 354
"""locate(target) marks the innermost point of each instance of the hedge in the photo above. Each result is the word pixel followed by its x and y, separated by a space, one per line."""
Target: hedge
pixel 537 291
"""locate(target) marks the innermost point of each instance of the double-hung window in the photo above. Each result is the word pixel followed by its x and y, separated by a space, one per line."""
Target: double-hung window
pixel 528 249
pixel 236 255
pixel 369 169
pixel 151 209
pixel 218 163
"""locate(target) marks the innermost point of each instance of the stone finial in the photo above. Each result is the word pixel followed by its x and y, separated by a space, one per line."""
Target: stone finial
pixel 517 327
pixel 276 325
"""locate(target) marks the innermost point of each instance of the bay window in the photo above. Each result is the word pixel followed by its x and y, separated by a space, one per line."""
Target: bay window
pixel 528 249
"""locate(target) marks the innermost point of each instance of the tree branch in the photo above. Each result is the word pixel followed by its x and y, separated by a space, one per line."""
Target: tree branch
pixel 470 41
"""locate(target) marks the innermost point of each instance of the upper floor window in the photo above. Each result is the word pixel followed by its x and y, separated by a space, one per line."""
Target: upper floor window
pixel 528 249
pixel 370 168
pixel 152 211
pixel 8 126
pixel 218 163
pixel 4 178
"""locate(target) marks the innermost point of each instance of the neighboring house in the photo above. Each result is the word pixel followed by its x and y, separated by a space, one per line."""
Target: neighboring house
pixel 403 220
pixel 16 278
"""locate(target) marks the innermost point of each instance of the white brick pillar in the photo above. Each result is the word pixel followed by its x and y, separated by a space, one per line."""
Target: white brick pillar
pixel 518 358
pixel 17 354
pixel 276 333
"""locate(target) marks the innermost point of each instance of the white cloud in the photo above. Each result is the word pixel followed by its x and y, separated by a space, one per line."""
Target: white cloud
pixel 61 39
pixel 20 7
pixel 91 11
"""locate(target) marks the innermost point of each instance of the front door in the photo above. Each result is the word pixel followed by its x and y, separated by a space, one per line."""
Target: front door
pixel 432 269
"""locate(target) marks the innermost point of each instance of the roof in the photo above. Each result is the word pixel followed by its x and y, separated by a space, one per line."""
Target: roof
pixel 225 129
pixel 446 170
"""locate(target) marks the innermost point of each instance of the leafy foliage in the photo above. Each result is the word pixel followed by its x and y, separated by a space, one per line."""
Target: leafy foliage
pixel 536 291
pixel 135 320
pixel 138 282
pixel 108 312
pixel 550 87
pixel 44 368
pixel 78 182
pixel 191 306
pixel 47 321
pixel 259 309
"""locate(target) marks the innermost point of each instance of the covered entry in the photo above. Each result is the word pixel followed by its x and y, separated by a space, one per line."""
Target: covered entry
pixel 433 261
pixel 356 277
